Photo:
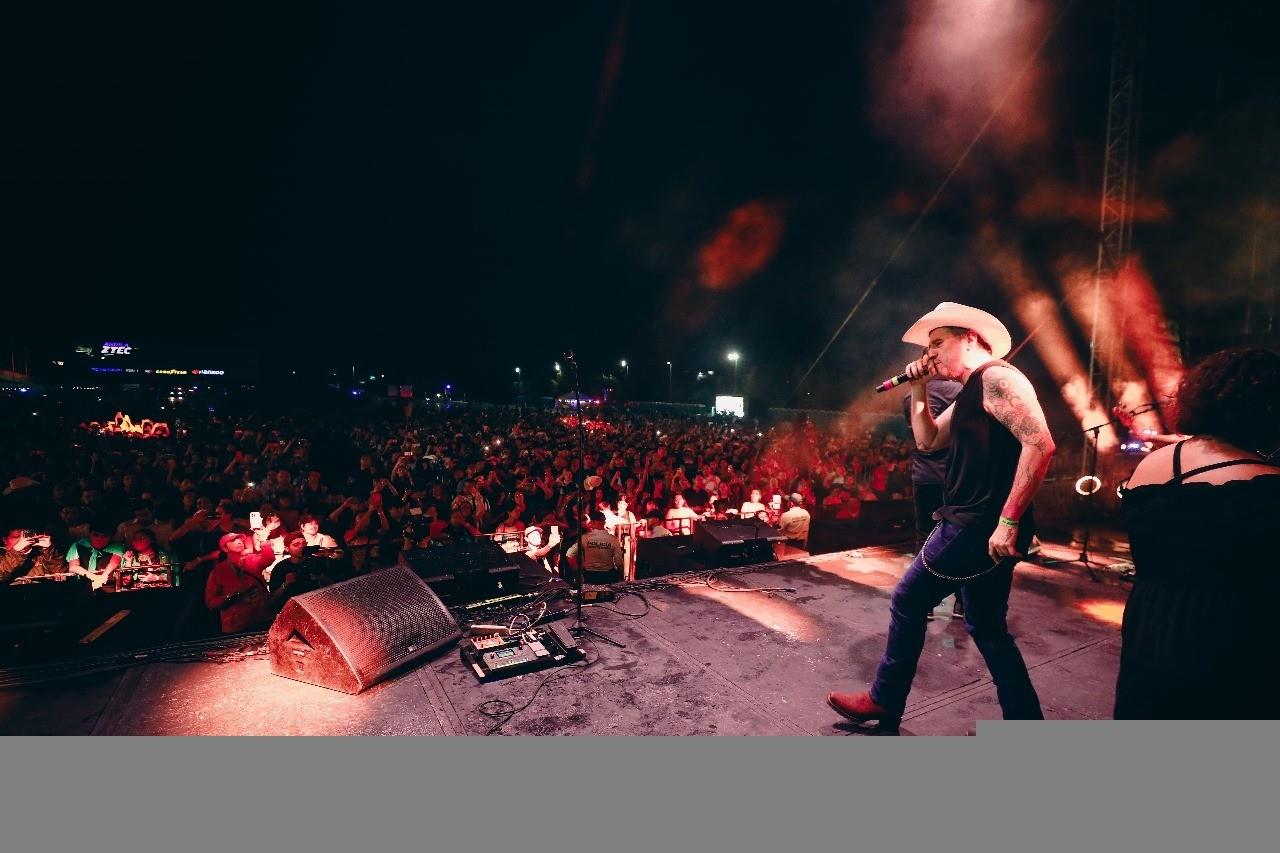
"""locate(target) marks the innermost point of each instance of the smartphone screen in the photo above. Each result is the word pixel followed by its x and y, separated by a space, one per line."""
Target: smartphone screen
pixel 255 520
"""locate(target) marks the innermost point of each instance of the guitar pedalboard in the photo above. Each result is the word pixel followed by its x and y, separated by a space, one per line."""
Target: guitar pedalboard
pixel 496 656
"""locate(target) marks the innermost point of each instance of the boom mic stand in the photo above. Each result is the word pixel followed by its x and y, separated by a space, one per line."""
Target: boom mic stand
pixel 580 571
pixel 1092 477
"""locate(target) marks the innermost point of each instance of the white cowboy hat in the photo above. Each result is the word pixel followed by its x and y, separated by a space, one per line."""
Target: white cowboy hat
pixel 965 317
pixel 592 483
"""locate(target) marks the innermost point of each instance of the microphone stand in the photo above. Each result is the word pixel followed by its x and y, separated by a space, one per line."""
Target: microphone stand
pixel 580 571
pixel 1083 557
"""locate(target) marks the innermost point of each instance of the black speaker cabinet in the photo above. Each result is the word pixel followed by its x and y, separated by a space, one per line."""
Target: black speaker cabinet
pixel 737 543
pixel 43 603
pixel 464 572
pixel 351 635
pixel 666 555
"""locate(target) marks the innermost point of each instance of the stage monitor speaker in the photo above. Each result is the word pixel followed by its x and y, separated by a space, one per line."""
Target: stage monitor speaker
pixel 666 555
pixel 737 543
pixel 351 635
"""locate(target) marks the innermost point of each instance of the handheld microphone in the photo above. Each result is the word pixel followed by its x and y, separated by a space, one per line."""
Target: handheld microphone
pixel 892 383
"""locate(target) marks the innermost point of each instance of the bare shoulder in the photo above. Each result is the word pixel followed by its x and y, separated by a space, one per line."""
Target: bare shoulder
pixel 1156 467
pixel 1251 472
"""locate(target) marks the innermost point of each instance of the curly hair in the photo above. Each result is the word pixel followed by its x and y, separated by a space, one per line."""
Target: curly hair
pixel 1233 395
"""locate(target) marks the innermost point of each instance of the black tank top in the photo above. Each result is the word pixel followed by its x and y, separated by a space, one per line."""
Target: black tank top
pixel 981 461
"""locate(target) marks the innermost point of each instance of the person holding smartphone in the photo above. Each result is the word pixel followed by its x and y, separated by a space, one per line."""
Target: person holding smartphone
pixel 28 553
pixel 541 552
pixel 235 589
pixel 366 529
pixel 268 537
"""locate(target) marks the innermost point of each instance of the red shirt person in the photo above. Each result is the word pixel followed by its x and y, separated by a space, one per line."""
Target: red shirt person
pixel 235 588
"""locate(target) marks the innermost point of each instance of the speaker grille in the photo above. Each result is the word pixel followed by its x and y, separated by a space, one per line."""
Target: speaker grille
pixel 381 619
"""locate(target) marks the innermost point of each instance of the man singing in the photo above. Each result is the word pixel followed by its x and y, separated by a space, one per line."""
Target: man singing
pixel 999 451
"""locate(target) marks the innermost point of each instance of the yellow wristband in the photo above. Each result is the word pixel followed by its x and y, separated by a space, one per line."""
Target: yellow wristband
pixel 1008 522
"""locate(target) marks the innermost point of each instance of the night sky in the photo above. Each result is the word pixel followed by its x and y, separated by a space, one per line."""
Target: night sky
pixel 447 193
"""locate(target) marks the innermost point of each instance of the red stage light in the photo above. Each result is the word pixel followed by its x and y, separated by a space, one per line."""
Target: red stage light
pixel 741 247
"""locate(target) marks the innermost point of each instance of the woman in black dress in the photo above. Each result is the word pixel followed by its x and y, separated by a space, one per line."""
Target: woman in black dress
pixel 1201 515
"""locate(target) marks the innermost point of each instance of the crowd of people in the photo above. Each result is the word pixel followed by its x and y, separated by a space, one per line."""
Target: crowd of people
pixel 250 510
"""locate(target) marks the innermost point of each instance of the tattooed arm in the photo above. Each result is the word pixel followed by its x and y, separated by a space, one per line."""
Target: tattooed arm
pixel 1009 398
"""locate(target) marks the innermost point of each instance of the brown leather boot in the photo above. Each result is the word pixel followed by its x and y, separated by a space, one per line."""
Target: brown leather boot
pixel 860 708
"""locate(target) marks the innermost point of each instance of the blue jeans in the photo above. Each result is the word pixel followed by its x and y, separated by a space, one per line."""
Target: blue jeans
pixel 956 554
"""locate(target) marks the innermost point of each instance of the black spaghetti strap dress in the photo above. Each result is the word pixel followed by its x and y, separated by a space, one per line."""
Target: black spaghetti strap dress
pixel 1198 640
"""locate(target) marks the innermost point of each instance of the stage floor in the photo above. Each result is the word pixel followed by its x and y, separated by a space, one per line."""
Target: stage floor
pixel 700 661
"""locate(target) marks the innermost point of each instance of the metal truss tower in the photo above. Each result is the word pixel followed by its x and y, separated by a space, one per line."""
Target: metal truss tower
pixel 1116 221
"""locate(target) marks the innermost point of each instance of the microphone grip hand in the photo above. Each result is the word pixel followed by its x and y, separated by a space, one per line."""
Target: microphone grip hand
pixel 919 372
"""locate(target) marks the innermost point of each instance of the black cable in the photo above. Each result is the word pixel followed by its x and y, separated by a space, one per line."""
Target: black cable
pixel 499 614
pixel 181 652
pixel 245 652
pixel 504 715
pixel 645 612
pixel 542 582
pixel 668 581
pixel 712 575
pixel 702 578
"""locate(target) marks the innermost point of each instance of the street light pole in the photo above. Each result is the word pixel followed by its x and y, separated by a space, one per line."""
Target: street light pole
pixel 734 356
pixel 668 382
